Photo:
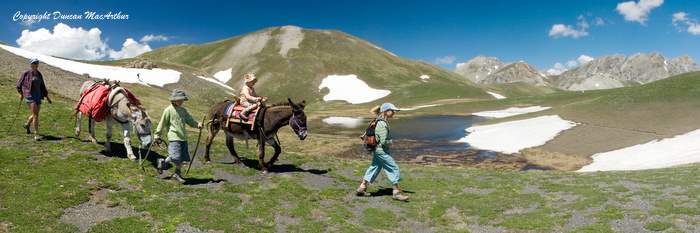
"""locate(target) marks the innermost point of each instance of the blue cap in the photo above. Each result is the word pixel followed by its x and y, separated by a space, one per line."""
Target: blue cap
pixel 33 61
pixel 388 106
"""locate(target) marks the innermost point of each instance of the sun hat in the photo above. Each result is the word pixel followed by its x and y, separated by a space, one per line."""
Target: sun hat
pixel 178 95
pixel 388 106
pixel 249 77
pixel 33 61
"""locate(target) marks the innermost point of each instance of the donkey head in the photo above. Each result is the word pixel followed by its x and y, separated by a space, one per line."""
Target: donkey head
pixel 142 124
pixel 298 119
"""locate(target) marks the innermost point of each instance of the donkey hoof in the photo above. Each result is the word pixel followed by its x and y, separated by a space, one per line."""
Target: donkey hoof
pixel 264 172
pixel 131 157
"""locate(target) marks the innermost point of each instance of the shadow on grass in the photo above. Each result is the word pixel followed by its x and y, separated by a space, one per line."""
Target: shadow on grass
pixel 277 168
pixel 386 192
pixel 46 137
pixel 119 151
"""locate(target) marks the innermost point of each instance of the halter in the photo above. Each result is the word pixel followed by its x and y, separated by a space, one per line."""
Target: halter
pixel 295 123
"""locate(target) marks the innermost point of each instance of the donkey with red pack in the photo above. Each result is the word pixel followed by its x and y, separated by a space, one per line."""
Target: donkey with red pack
pixel 104 100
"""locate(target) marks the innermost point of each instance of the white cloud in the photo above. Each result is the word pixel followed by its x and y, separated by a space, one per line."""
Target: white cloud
pixel 638 11
pixel 561 30
pixel 559 68
pixel 82 44
pixel 679 17
pixel 583 59
pixel 684 23
pixel 694 29
pixel 64 41
pixel 130 48
pixel 151 37
pixel 598 21
pixel 446 60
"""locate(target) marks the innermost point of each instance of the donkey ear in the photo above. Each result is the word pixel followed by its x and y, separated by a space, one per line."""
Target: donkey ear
pixel 302 104
pixel 290 101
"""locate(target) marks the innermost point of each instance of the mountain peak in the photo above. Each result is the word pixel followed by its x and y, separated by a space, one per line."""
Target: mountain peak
pixel 490 70
pixel 478 68
pixel 617 70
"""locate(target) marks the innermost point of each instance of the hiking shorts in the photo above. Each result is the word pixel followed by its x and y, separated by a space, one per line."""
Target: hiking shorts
pixel 178 151
pixel 32 99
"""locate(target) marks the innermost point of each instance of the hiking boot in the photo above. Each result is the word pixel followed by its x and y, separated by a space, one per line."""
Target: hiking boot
pixel 399 197
pixel 361 192
pixel 160 165
pixel 178 178
pixel 26 126
pixel 243 116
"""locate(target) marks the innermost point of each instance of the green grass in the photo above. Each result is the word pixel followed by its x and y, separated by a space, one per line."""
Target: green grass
pixel 42 179
pixel 657 226
pixel 379 218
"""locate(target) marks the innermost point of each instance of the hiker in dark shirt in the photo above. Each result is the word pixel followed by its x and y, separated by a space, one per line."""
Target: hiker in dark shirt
pixel 32 89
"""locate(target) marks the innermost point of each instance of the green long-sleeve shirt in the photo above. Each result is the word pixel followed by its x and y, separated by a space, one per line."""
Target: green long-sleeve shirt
pixel 174 120
pixel 383 136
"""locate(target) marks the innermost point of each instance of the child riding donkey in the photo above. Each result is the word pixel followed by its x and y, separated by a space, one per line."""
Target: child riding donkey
pixel 248 98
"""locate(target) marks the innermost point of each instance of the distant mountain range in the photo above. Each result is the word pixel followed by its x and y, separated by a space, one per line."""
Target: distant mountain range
pixel 601 73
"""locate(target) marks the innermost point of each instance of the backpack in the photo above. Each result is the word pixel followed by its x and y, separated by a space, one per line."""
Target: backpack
pixel 369 139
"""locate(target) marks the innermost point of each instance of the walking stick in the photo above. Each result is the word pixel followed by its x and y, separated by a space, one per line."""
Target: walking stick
pixel 196 147
pixel 19 106
pixel 148 152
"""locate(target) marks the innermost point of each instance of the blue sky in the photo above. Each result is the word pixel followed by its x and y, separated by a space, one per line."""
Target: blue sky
pixel 424 30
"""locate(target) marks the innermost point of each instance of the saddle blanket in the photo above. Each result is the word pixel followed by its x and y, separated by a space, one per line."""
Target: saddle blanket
pixel 233 110
pixel 94 101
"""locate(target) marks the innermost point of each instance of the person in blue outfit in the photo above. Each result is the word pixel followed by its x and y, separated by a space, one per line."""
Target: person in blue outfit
pixel 381 155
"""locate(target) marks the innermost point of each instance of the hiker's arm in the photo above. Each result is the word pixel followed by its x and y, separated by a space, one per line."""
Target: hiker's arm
pixel 190 121
pixel 164 122
pixel 248 96
pixel 20 82
pixel 44 90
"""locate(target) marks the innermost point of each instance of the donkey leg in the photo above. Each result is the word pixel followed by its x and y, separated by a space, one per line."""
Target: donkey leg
pixel 108 135
pixel 127 141
pixel 232 149
pixel 210 139
pixel 78 124
pixel 261 154
pixel 91 130
pixel 278 151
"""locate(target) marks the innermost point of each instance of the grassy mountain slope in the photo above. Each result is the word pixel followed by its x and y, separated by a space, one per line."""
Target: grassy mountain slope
pixel 515 90
pixel 50 184
pixel 320 53
pixel 67 84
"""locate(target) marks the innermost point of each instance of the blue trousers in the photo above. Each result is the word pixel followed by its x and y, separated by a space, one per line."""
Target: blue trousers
pixel 381 160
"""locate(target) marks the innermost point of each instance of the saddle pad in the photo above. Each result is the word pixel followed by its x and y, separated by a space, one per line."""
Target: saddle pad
pixel 93 102
pixel 231 112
